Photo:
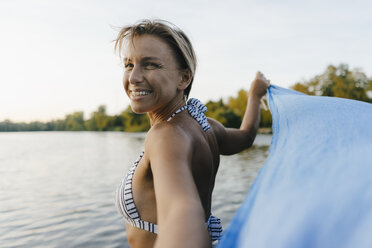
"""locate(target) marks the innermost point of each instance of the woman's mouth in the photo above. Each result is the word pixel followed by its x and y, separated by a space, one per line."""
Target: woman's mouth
pixel 138 94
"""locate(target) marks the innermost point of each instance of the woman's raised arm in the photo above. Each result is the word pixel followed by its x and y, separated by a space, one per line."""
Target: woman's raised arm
pixel 233 140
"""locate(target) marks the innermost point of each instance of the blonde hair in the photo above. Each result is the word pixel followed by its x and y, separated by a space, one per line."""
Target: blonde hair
pixel 168 32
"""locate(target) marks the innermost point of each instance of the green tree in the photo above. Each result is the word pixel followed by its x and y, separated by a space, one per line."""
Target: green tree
pixel 239 103
pixel 58 125
pixel 222 113
pixel 36 126
pixel 338 82
pixel 116 123
pixel 266 118
pixel 98 120
pixel 7 126
pixel 214 108
pixel 135 122
pixel 75 122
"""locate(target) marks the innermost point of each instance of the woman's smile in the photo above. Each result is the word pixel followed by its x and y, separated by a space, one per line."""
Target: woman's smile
pixel 151 77
pixel 139 94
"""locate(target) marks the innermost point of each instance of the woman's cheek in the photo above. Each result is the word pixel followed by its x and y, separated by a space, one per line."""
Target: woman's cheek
pixel 125 83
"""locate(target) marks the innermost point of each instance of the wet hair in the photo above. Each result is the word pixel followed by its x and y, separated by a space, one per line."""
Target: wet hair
pixel 169 33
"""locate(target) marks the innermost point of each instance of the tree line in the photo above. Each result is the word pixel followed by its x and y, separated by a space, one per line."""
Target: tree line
pixel 337 81
pixel 98 121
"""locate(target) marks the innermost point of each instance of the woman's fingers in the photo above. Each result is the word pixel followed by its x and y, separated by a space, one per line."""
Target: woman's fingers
pixel 260 75
pixel 261 80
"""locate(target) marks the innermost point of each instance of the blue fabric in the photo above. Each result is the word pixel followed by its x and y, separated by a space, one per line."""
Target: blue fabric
pixel 315 189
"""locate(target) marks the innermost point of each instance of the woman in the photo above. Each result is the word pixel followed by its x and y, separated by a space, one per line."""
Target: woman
pixel 166 195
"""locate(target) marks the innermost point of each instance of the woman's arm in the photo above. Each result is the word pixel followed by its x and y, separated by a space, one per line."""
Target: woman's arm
pixel 233 140
pixel 180 213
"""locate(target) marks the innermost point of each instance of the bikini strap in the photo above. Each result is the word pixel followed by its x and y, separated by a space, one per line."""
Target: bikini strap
pixel 196 110
pixel 214 227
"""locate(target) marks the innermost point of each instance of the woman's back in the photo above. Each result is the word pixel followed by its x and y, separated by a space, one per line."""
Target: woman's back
pixel 205 157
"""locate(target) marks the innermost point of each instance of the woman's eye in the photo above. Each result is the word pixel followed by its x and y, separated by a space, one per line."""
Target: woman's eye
pixel 128 66
pixel 151 66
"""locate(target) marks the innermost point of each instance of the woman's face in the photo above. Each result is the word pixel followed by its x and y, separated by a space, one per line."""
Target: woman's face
pixel 151 76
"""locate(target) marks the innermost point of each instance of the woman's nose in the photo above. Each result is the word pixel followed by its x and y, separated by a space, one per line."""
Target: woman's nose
pixel 136 75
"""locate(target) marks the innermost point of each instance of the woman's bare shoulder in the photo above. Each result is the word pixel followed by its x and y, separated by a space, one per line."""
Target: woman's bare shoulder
pixel 167 135
pixel 165 129
pixel 218 129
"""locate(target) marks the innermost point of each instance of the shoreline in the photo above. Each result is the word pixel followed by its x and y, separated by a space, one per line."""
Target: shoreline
pixel 265 130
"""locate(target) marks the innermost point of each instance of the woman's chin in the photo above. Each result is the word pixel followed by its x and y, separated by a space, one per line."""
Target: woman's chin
pixel 138 109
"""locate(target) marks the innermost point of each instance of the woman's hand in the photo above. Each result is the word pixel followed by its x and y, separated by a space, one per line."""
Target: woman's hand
pixel 259 86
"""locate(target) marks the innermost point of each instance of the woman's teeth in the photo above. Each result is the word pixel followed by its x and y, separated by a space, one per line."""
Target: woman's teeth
pixel 140 93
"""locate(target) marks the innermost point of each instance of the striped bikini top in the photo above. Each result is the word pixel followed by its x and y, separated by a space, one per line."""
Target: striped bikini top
pixel 124 195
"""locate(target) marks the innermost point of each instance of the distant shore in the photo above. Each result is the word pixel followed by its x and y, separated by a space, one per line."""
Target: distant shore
pixel 265 130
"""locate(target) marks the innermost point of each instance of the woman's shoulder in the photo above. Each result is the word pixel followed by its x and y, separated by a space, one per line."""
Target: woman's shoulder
pixel 167 134
pixel 165 128
pixel 217 128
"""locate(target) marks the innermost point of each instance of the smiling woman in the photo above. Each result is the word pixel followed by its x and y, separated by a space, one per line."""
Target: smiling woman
pixel 151 75
pixel 166 196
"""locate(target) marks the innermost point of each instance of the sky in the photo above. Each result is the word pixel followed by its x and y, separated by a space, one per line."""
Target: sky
pixel 57 56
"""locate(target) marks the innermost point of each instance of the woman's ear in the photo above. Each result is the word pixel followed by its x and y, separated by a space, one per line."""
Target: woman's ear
pixel 185 79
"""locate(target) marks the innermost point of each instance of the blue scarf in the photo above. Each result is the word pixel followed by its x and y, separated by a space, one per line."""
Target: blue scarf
pixel 315 189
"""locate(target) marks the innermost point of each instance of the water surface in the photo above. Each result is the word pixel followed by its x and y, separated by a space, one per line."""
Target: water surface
pixel 57 189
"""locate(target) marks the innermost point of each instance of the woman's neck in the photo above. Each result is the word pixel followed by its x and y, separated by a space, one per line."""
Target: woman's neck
pixel 164 113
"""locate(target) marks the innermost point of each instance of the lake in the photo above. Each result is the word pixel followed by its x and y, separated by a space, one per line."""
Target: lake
pixel 57 189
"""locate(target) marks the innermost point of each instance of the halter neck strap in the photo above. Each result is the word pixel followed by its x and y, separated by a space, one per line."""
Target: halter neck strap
pixel 196 110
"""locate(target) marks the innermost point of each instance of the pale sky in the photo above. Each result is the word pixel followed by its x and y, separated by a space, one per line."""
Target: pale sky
pixel 56 56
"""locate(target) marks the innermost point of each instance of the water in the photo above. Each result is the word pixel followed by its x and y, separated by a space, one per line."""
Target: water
pixel 57 189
